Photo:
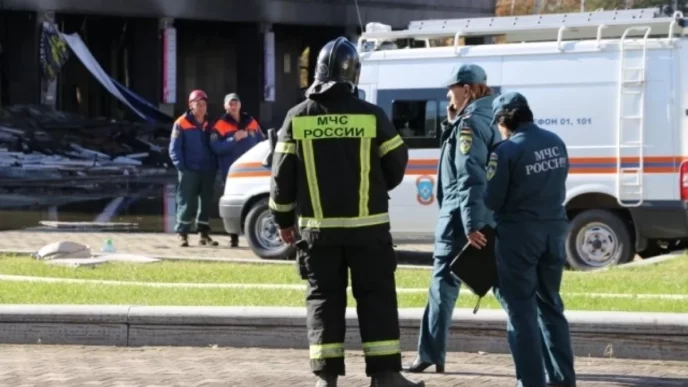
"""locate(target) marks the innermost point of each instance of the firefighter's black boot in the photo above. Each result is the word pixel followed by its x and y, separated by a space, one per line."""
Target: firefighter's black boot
pixel 183 239
pixel 393 379
pixel 234 241
pixel 206 240
pixel 326 379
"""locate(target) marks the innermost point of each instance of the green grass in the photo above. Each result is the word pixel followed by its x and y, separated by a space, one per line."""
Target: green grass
pixel 662 278
pixel 45 293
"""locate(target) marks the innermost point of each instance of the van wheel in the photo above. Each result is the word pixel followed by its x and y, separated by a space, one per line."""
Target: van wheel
pixel 262 233
pixel 597 239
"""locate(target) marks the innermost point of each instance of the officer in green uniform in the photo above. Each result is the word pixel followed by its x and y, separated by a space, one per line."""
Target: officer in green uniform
pixel 467 138
pixel 526 190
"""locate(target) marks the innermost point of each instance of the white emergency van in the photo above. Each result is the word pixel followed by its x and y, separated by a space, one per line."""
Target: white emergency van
pixel 612 84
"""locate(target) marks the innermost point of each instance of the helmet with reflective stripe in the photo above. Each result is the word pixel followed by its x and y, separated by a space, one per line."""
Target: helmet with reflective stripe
pixel 338 62
pixel 197 95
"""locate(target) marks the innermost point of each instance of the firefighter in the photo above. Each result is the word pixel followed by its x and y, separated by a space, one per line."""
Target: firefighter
pixel 196 165
pixel 233 134
pixel 336 158
pixel 526 188
pixel 467 136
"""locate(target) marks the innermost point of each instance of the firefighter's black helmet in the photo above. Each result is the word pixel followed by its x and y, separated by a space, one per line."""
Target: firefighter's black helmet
pixel 338 62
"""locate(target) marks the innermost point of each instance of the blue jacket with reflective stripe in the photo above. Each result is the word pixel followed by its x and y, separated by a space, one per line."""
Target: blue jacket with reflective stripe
pixel 190 145
pixel 223 144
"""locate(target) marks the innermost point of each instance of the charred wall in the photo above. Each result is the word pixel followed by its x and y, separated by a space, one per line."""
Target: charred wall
pixel 206 59
pixel 19 67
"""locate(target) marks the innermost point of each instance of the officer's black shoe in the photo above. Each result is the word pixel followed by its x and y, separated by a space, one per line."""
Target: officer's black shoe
pixel 326 379
pixel 183 240
pixel 206 240
pixel 418 366
pixel 234 241
pixel 393 379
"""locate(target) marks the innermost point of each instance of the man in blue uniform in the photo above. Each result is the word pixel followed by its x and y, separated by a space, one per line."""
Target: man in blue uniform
pixel 233 135
pixel 526 190
pixel 467 136
pixel 196 166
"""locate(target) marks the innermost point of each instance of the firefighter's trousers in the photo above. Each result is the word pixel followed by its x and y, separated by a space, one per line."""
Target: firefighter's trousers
pixel 326 268
pixel 195 191
pixel 530 264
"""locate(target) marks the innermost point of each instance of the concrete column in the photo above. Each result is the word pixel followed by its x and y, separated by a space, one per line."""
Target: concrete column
pixel 168 63
pixel 266 108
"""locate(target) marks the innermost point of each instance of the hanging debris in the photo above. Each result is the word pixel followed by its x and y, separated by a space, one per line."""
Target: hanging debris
pixel 38 142
pixel 51 158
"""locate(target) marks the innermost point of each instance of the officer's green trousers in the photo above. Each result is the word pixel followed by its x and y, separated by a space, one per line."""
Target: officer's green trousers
pixel 530 264
pixel 195 191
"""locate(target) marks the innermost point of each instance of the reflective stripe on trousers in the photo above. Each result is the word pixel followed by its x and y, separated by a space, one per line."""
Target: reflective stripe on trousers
pixel 382 348
pixel 326 351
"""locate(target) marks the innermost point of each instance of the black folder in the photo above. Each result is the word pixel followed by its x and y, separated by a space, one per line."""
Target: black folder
pixel 477 268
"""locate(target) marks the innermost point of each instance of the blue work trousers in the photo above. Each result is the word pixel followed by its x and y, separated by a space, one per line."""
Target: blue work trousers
pixel 530 264
pixel 442 296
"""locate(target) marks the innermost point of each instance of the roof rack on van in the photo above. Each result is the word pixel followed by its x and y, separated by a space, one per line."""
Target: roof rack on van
pixel 532 28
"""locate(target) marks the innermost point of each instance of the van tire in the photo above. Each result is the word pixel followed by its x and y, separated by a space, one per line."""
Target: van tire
pixel 605 233
pixel 257 242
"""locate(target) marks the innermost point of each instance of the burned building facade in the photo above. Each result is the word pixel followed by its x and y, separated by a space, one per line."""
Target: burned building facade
pixel 162 49
pixel 74 148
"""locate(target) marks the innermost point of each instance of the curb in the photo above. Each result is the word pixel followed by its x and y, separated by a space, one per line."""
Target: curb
pixel 656 336
pixel 248 261
pixel 426 266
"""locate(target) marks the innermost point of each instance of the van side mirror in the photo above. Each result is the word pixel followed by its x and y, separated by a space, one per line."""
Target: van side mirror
pixel 272 140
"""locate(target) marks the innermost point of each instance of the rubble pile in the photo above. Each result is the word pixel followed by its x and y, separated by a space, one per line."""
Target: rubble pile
pixel 37 142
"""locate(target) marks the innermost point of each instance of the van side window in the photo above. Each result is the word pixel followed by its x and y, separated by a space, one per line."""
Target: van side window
pixel 442 110
pixel 415 119
pixel 418 122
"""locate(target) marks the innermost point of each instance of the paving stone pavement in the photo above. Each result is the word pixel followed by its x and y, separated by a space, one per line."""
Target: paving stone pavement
pixel 160 244
pixel 73 366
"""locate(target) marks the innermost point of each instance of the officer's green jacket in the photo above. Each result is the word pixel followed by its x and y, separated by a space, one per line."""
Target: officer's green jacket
pixel 461 175
pixel 336 158
pixel 527 177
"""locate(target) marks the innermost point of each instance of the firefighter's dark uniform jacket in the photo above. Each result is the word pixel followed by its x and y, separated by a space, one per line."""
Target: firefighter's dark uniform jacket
pixel 336 158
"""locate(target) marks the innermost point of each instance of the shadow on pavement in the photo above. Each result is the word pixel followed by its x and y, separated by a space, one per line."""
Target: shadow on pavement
pixel 422 258
pixel 612 380
pixel 467 373
pixel 633 381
